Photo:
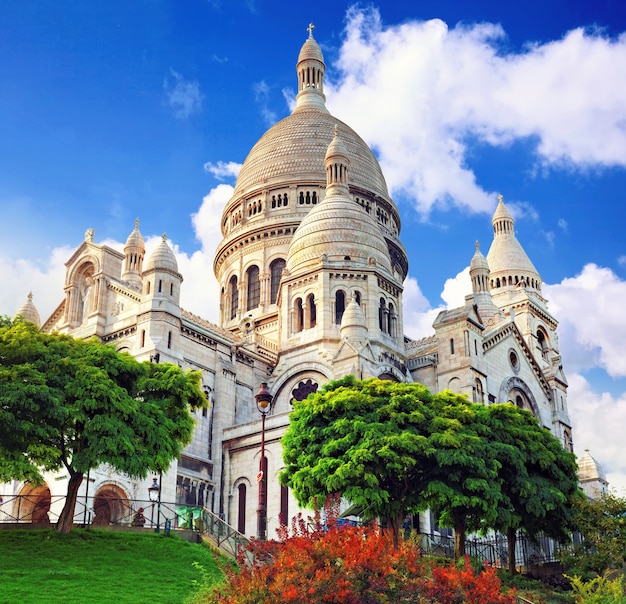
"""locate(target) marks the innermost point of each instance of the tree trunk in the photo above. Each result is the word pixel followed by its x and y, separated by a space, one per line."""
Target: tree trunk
pixel 459 538
pixel 66 518
pixel 511 537
pixel 395 522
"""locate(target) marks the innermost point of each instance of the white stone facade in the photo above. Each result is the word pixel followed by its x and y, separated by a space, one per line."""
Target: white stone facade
pixel 311 271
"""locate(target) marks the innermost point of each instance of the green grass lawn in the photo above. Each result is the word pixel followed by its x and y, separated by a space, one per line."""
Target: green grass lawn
pixel 41 567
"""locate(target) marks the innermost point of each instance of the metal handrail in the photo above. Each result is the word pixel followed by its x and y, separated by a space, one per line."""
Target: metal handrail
pixel 229 540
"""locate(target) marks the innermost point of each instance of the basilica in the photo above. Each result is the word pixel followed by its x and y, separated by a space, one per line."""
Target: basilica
pixel 311 269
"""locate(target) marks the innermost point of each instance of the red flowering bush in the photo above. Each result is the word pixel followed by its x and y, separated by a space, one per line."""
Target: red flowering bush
pixel 344 564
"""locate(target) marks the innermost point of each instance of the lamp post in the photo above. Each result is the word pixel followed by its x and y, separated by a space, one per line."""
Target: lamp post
pixel 263 404
pixel 154 492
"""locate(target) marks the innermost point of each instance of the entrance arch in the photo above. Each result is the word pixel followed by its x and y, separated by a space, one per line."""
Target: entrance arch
pixel 33 505
pixel 111 506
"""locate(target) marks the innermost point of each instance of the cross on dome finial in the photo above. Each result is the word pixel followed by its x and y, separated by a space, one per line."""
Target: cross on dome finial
pixel 336 130
pixel 136 223
pixel 310 29
pixel 164 236
pixel 500 197
pixel 477 245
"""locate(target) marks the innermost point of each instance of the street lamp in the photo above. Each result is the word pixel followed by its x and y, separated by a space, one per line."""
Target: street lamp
pixel 263 404
pixel 154 492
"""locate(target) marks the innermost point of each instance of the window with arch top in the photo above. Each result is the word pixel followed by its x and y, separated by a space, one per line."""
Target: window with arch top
pixel 254 287
pixel 276 272
pixel 234 296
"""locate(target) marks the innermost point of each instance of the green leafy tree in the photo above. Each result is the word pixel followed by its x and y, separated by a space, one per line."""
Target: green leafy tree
pixel 367 440
pixel 602 525
pixel 462 487
pixel 537 477
pixel 77 404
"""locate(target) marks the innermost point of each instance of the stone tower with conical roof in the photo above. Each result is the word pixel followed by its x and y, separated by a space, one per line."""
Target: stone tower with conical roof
pixel 29 312
pixel 134 252
pixel 501 346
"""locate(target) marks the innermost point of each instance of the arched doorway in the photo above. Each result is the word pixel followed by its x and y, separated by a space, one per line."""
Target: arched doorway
pixel 111 506
pixel 33 505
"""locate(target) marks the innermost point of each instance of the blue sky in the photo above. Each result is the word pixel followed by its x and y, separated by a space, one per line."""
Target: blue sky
pixel 117 110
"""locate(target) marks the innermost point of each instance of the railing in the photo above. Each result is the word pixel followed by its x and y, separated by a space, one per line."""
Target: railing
pixel 98 511
pixel 495 549
pixel 41 511
pixel 225 537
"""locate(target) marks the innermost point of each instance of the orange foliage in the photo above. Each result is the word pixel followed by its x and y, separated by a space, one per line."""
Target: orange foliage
pixel 344 564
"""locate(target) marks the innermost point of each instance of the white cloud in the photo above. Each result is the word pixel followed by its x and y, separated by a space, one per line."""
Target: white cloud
pixel 183 96
pixel 418 317
pixel 590 310
pixel 223 170
pixel 261 96
pixel 43 277
pixel 433 89
pixel 598 420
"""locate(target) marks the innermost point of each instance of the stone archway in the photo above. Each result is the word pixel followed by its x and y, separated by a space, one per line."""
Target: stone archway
pixel 110 506
pixel 510 386
pixel 33 505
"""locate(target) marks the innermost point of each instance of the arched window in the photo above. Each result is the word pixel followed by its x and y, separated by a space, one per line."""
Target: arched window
pixel 478 391
pixel 543 343
pixel 382 312
pixel 143 338
pixel 312 310
pixel 357 297
pixel 234 296
pixel 160 285
pixel 254 287
pixel 148 287
pixel 391 320
pixel 299 316
pixel 568 445
pixel 276 271
pixel 284 506
pixel 451 345
pixel 241 515
pixel 171 289
pixel 169 339
pixel 340 305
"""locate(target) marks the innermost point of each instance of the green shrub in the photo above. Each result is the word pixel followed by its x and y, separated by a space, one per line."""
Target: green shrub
pixel 601 590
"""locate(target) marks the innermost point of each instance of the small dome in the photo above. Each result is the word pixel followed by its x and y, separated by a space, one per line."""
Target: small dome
pixel 311 49
pixel 337 148
pixel 354 322
pixel 337 229
pixel 135 239
pixel 28 311
pixel 590 469
pixel 162 258
pixel 506 256
pixel 479 262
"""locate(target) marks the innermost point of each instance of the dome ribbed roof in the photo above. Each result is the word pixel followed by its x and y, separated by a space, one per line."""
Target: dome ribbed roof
pixel 337 229
pixel 162 258
pixel 135 239
pixel 479 262
pixel 311 51
pixel 293 151
pixel 28 311
pixel 590 469
pixel 506 254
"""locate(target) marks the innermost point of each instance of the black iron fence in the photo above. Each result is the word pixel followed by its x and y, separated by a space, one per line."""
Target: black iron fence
pixel 494 549
pixel 98 511
pixel 40 511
